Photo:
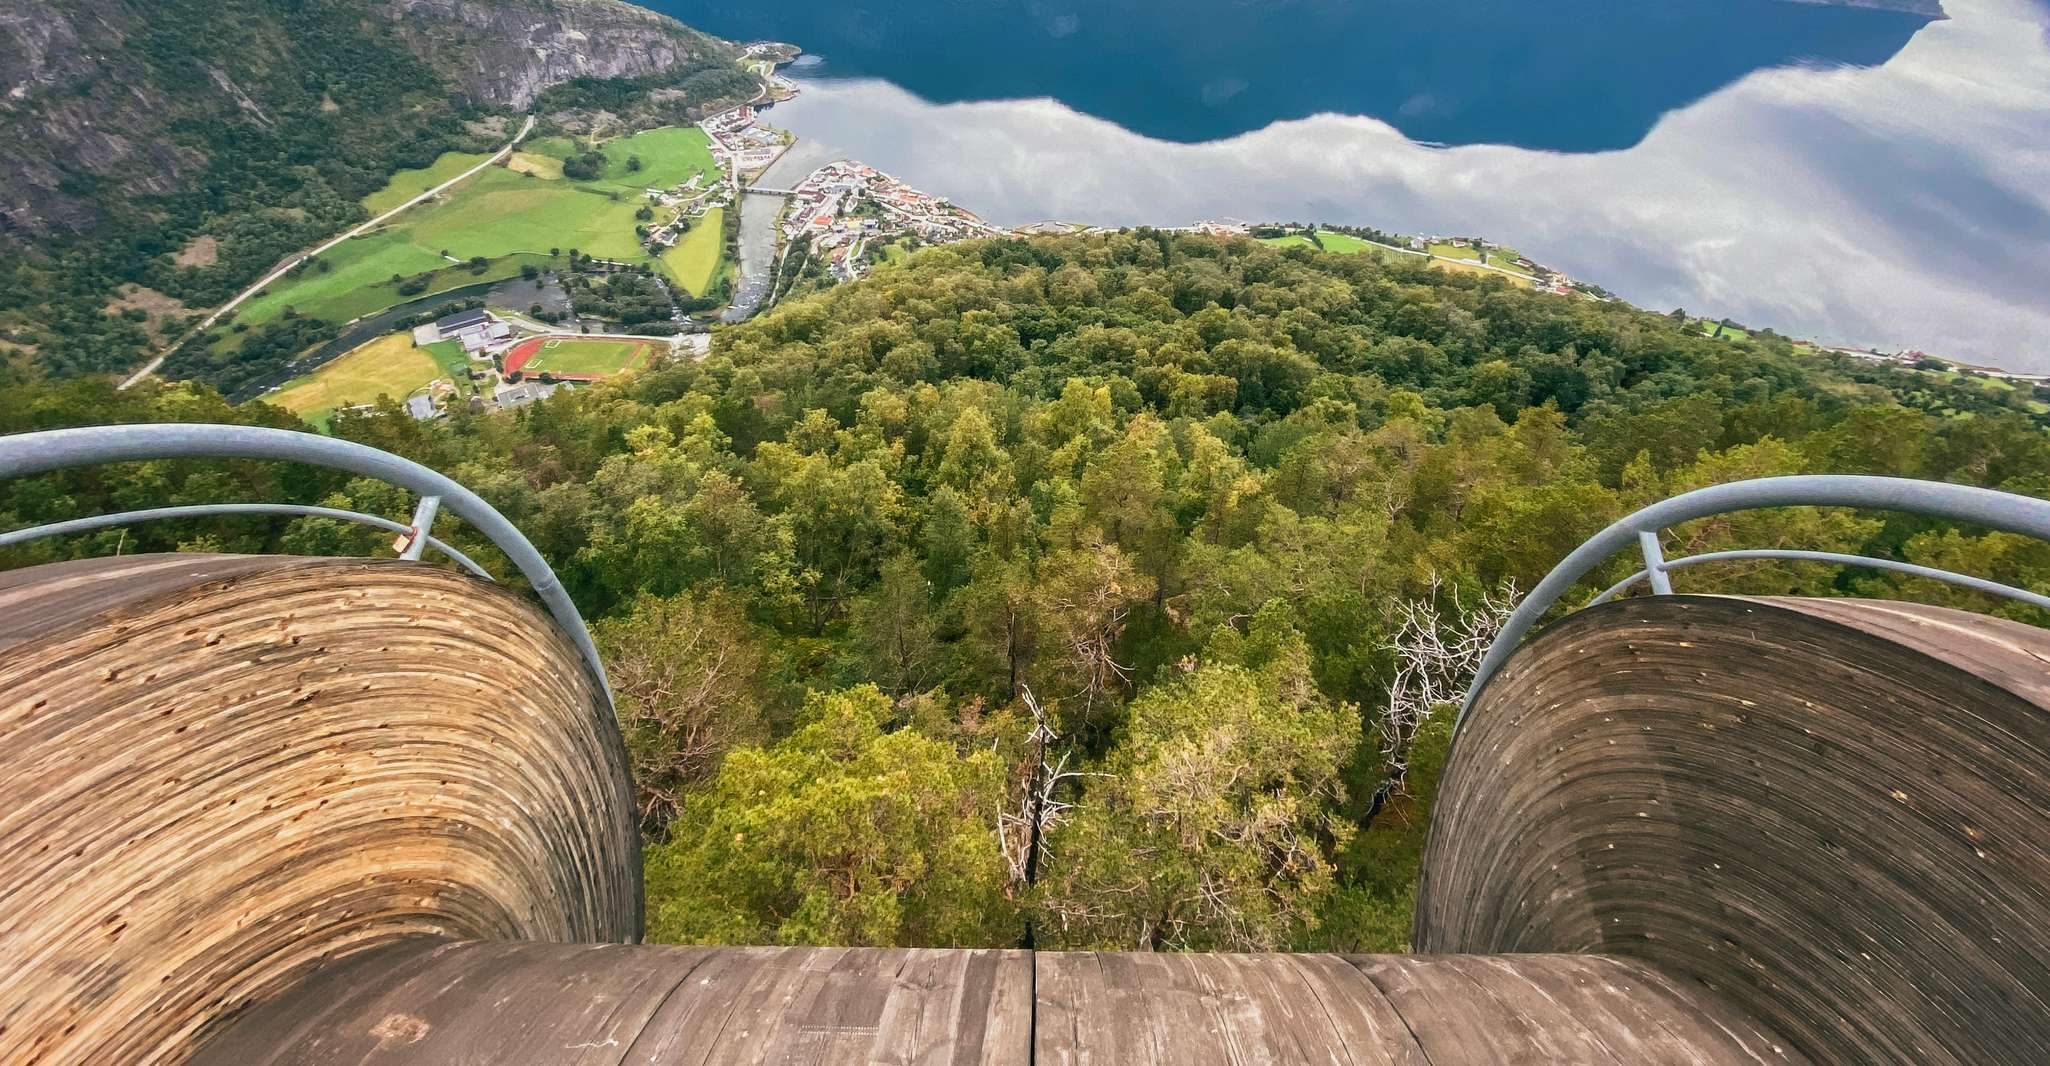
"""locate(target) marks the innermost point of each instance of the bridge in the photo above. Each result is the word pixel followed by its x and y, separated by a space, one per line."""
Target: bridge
pixel 278 810
pixel 764 190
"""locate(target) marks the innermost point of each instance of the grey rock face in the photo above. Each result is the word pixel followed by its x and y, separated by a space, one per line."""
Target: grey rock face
pixel 506 53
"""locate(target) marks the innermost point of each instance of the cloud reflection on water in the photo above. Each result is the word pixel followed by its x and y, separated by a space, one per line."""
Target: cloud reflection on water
pixel 1906 205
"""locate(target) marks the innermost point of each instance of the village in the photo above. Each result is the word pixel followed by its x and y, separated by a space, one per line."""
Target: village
pixel 846 208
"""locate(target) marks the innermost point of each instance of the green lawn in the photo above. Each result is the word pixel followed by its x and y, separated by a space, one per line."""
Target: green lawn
pixel 585 357
pixel 669 156
pixel 694 261
pixel 388 366
pixel 1293 240
pixel 407 184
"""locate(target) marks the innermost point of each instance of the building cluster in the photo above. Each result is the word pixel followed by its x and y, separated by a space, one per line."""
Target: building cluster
pixel 685 204
pixel 740 144
pixel 844 208
pixel 485 336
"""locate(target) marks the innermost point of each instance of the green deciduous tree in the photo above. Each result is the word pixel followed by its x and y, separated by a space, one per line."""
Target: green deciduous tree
pixel 843 833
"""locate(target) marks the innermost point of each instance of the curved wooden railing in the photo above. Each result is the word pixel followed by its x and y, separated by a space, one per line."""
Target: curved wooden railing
pixel 2003 511
pixel 25 454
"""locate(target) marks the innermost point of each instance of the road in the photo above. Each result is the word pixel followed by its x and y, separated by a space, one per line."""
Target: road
pixel 286 267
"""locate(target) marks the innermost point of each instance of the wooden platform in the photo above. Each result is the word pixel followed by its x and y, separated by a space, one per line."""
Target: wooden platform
pixel 421 1003
pixel 1836 813
pixel 216 771
pixel 316 811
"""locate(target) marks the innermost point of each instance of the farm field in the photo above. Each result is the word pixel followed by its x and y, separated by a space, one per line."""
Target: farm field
pixel 407 184
pixel 576 356
pixel 541 166
pixel 388 366
pixel 359 280
pixel 1343 242
pixel 1454 251
pixel 694 261
pixel 669 156
pixel 1471 267
pixel 510 217
pixel 1707 328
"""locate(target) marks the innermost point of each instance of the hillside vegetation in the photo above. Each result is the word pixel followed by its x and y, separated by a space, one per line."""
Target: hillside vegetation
pixel 186 146
pixel 1144 523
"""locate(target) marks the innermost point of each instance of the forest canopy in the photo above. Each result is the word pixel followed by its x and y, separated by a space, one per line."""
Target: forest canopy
pixel 1052 591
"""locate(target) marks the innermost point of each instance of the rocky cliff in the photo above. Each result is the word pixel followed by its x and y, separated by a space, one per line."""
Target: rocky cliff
pixel 505 52
pixel 105 101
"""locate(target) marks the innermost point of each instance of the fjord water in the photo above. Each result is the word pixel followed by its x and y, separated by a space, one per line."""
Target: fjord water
pixel 1901 204
pixel 1568 75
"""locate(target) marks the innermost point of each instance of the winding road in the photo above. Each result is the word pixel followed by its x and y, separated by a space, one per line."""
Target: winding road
pixel 287 266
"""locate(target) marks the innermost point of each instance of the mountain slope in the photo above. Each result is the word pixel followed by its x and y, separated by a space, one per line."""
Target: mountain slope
pixel 103 101
pixel 158 155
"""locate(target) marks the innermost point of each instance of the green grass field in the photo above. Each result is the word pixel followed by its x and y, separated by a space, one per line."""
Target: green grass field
pixel 359 282
pixel 508 217
pixel 1343 242
pixel 541 166
pixel 599 357
pixel 1293 240
pixel 1454 251
pixel 669 156
pixel 388 366
pixel 1707 328
pixel 694 261
pixel 454 363
pixel 407 184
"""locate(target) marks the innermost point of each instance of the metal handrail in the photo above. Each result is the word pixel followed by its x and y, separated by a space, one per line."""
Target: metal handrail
pixel 1976 584
pixel 25 454
pixel 2002 511
pixel 215 510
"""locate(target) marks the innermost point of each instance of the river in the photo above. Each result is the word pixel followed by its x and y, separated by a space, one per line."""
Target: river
pixel 758 216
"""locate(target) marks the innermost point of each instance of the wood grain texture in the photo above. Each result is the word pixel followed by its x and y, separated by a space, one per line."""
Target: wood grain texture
pixel 432 1002
pixel 219 771
pixel 429 1001
pixel 1833 814
pixel 274 811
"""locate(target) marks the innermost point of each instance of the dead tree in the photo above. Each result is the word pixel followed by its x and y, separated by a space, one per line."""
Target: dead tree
pixel 1438 647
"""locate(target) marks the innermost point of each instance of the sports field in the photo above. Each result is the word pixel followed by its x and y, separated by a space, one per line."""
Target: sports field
pixel 388 366
pixel 694 261
pixel 407 184
pixel 576 357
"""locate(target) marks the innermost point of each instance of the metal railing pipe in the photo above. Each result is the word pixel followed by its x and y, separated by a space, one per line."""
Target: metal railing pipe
pixel 1960 503
pixel 216 510
pixel 1976 584
pixel 61 449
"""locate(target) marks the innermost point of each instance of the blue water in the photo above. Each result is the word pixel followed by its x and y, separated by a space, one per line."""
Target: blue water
pixel 1567 75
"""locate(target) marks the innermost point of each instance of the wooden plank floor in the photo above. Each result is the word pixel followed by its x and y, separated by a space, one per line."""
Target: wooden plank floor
pixel 615 1005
